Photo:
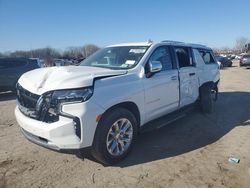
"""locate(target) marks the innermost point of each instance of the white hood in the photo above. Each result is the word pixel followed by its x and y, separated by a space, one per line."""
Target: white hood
pixel 41 80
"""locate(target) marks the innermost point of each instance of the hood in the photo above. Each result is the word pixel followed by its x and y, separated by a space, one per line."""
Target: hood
pixel 41 80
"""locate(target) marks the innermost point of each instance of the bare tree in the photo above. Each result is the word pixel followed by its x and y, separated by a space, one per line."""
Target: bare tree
pixel 49 54
pixel 73 53
pixel 240 44
pixel 89 49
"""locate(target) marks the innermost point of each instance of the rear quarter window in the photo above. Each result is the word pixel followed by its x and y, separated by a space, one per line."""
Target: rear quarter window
pixel 19 63
pixel 207 56
pixel 11 63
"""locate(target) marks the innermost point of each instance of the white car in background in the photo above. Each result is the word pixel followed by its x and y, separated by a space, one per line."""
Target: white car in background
pixel 103 103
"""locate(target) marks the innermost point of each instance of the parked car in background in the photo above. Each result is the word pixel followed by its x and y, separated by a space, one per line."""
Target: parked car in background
pixel 62 62
pixel 11 69
pixel 40 62
pixel 225 62
pixel 238 57
pixel 245 60
pixel 232 56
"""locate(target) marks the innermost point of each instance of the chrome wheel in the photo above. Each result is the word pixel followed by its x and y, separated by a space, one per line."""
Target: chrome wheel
pixel 119 137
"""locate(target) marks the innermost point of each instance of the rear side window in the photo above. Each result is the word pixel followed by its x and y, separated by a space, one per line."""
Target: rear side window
pixel 19 63
pixel 183 57
pixel 2 64
pixel 11 63
pixel 207 57
pixel 162 54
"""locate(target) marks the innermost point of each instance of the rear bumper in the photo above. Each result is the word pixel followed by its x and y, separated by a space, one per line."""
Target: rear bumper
pixel 245 63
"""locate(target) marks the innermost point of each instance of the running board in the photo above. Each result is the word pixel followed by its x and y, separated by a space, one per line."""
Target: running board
pixel 167 119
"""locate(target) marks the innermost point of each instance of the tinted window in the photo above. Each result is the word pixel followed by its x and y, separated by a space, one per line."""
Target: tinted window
pixel 162 54
pixel 2 64
pixel 11 63
pixel 182 54
pixel 207 57
pixel 246 56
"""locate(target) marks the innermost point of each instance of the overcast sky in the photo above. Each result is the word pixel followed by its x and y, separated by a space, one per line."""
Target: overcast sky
pixel 30 24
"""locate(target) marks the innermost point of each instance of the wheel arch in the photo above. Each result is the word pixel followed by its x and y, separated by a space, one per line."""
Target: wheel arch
pixel 131 106
pixel 209 83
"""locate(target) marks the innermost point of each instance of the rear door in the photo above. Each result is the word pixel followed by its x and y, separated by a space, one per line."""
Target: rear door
pixel 162 89
pixel 2 74
pixel 189 84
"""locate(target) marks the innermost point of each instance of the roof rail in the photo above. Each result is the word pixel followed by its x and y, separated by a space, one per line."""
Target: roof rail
pixel 197 45
pixel 172 41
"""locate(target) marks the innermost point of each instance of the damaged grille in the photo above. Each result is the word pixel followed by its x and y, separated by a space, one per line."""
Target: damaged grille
pixel 27 104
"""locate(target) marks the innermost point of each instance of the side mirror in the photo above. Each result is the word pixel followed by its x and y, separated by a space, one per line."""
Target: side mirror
pixel 153 67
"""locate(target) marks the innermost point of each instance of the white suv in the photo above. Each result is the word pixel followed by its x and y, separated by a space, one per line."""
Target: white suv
pixel 104 102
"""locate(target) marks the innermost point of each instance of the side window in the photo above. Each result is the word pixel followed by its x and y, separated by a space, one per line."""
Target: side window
pixel 183 57
pixel 11 63
pixel 5 64
pixel 18 63
pixel 162 54
pixel 207 57
pixel 2 64
pixel 197 58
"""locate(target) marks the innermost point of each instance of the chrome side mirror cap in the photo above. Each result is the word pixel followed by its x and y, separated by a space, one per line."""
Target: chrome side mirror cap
pixel 153 67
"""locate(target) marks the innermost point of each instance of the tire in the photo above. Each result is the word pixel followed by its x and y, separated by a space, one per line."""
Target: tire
pixel 206 99
pixel 100 148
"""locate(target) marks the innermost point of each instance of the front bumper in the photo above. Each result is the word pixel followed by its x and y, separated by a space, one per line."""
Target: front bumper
pixel 61 135
pixel 38 140
pixel 57 135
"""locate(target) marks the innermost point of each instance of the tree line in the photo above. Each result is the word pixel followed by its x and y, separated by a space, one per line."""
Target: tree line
pixel 239 47
pixel 48 54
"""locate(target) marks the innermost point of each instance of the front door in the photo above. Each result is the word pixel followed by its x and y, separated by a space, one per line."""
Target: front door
pixel 162 89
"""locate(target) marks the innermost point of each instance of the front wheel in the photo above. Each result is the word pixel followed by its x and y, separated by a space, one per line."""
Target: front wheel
pixel 115 136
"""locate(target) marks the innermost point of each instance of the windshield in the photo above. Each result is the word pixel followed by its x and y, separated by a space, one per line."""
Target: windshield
pixel 121 57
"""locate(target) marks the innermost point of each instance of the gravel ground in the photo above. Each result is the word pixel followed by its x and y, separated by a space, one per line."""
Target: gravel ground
pixel 191 152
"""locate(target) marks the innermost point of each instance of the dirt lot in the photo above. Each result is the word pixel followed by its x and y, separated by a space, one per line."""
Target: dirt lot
pixel 191 152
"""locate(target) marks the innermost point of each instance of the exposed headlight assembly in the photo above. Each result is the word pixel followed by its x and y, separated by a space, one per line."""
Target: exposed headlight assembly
pixel 71 95
pixel 48 106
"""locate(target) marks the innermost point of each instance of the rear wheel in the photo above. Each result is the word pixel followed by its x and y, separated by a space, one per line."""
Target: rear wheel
pixel 115 136
pixel 207 98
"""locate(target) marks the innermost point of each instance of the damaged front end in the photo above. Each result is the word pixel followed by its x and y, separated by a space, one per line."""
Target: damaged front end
pixel 47 107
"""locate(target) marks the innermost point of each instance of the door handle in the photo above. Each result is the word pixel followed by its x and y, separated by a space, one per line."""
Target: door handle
pixel 191 74
pixel 174 78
